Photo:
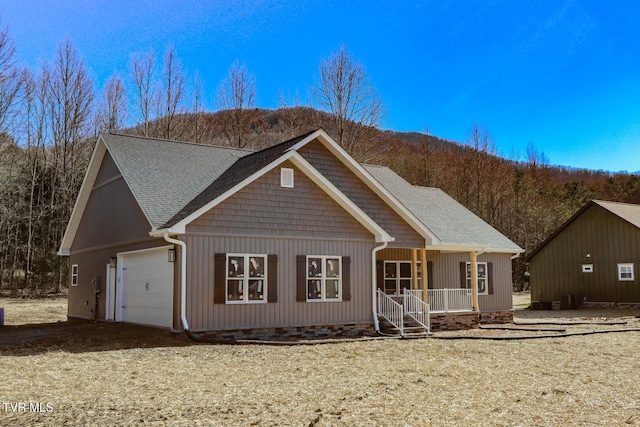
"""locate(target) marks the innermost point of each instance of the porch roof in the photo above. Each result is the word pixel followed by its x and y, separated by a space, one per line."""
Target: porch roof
pixel 450 221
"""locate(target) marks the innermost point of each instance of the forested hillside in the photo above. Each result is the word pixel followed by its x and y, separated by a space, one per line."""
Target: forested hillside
pixel 50 119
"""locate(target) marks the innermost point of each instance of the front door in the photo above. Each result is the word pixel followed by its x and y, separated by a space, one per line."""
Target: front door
pixel 397 276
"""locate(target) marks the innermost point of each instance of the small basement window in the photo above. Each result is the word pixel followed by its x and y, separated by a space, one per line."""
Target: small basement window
pixel 286 177
pixel 625 272
pixel 587 268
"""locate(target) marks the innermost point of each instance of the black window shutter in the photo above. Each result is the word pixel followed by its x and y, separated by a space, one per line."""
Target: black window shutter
pixel 219 285
pixel 301 278
pixel 346 278
pixel 463 274
pixel 380 275
pixel 490 278
pixel 272 279
pixel 430 274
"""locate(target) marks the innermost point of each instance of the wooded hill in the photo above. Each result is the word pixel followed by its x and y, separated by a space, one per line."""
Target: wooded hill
pixel 50 118
pixel 525 200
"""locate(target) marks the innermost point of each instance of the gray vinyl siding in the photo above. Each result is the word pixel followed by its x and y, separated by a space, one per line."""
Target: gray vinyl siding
pixel 204 315
pixel 93 263
pixel 265 208
pixel 556 270
pixel 446 273
pixel 361 195
pixel 264 218
pixel 112 213
pixel 112 222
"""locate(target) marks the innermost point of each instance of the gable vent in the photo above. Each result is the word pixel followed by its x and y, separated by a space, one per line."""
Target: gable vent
pixel 286 177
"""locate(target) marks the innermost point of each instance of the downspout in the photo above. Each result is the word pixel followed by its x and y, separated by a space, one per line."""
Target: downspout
pixel 183 279
pixel 374 287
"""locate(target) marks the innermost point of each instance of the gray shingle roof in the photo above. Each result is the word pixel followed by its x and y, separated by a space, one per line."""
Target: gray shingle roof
pixel 451 222
pixel 626 211
pixel 171 180
pixel 164 176
pixel 241 169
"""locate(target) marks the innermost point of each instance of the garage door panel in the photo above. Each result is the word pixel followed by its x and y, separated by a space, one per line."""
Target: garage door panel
pixel 147 294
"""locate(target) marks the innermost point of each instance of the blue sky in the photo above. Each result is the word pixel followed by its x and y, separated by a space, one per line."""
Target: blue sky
pixel 562 75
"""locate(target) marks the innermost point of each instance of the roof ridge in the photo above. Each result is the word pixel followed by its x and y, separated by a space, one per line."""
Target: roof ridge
pixel 176 141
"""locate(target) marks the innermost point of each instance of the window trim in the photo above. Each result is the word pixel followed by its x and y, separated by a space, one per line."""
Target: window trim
pixel 286 178
pixel 246 279
pixel 587 268
pixel 626 265
pixel 323 278
pixel 74 275
pixel 485 278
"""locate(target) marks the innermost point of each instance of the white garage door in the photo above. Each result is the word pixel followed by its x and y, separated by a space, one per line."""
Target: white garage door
pixel 147 287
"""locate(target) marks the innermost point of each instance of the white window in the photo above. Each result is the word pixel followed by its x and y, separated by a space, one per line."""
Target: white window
pixel 74 275
pixel 286 177
pixel 482 277
pixel 587 268
pixel 246 278
pixel 397 277
pixel 324 278
pixel 625 272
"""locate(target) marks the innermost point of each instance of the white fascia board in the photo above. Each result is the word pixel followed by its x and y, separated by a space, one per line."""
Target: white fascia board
pixel 308 170
pixel 83 196
pixel 171 231
pixel 371 182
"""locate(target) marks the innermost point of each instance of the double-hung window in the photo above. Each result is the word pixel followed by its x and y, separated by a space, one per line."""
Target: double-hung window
pixel 324 278
pixel 246 278
pixel 482 277
pixel 625 272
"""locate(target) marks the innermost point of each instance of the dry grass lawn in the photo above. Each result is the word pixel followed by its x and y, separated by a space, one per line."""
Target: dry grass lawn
pixel 578 380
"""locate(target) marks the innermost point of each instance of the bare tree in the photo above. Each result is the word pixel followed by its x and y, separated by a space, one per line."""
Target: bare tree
pixel 197 111
pixel 69 103
pixel 236 99
pixel 345 91
pixel 11 80
pixel 173 79
pixel 113 108
pixel 141 71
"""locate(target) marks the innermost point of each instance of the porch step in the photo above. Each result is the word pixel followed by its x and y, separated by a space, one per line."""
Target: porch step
pixel 411 328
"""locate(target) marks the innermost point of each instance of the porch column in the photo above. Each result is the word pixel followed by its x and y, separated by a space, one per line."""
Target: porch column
pixel 474 281
pixel 414 269
pixel 425 284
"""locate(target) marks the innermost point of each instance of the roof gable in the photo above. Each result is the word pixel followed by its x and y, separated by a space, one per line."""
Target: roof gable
pixel 625 211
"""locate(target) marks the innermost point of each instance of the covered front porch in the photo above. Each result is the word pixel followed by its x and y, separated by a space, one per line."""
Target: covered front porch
pixel 428 284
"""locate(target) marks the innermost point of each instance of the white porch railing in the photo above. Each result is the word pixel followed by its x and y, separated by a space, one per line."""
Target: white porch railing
pixel 417 309
pixel 446 300
pixel 390 310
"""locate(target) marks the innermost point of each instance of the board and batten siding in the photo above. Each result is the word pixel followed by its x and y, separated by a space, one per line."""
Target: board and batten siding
pixel 356 190
pixel 446 273
pixel 264 218
pixel 204 315
pixel 556 270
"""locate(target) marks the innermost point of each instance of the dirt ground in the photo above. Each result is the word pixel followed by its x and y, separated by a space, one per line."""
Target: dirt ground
pixel 92 373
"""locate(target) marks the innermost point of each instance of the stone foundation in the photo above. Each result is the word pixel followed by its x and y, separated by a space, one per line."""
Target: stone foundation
pixel 350 330
pixel 499 317
pixel 454 321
